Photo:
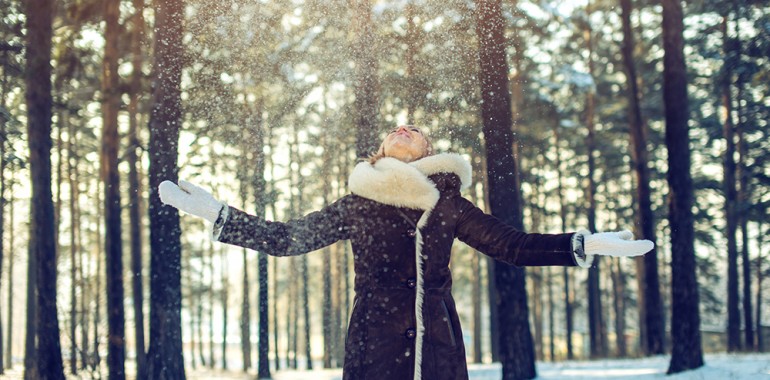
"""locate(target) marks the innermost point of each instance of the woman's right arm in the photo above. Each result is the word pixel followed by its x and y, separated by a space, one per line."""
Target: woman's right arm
pixel 297 236
pixel 294 237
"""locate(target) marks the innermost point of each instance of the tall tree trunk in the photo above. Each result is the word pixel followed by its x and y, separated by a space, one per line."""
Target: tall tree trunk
pixel 744 192
pixel 164 357
pixel 686 351
pixel 306 310
pixel 537 310
pixel 271 204
pixel 212 298
pixel 651 306
pixel 276 352
pixel 191 303
pixel 84 268
pixel 263 348
pixel 3 166
pixel 260 200
pixel 536 274
pixel 97 359
pixel 595 320
pixel 275 293
pixel 515 339
pixel 245 182
pixel 294 316
pixel 225 306
pixel 733 296
pixel 365 83
pixel 9 345
pixel 73 246
pixel 563 216
pixel 303 259
pixel 30 346
pixel 77 262
pixel 619 306
pixel 199 324
pixel 742 215
pixel 326 271
pixel 760 240
pixel 245 323
pixel 551 317
pixel 113 244
pixel 134 187
pixel 47 363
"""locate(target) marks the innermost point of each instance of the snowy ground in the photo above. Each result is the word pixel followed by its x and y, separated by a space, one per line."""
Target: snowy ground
pixel 718 367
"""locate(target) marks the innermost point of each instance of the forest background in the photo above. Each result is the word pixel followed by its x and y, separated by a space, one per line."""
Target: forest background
pixel 270 103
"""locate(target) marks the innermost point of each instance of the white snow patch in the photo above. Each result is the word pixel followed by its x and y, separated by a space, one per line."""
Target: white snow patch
pixel 718 366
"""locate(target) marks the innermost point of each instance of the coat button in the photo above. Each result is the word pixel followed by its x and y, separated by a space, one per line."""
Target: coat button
pixel 411 283
pixel 411 232
pixel 410 333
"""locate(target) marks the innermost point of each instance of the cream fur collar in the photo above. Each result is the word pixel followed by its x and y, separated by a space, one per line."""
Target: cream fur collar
pixel 401 184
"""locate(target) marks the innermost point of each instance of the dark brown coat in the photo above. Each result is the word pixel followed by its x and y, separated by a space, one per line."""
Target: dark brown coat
pixel 395 230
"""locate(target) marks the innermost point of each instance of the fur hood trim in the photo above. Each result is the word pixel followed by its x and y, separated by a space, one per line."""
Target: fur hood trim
pixel 401 184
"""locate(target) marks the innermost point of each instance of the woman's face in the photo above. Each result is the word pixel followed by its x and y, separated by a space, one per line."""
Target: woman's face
pixel 406 143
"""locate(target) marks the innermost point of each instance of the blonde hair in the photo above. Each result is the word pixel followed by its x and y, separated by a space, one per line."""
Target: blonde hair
pixel 381 151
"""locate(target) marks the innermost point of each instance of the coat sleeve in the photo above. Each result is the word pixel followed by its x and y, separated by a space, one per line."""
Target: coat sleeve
pixel 294 237
pixel 502 242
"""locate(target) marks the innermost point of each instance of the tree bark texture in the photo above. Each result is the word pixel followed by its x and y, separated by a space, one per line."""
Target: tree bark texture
pixel 563 217
pixel 686 351
pixel 164 357
pixel 134 187
pixel 113 244
pixel 245 322
pixel 651 314
pixel 515 339
pixel 730 191
pixel 760 262
pixel 245 180
pixel 744 192
pixel 47 361
pixel 8 354
pixel 72 183
pixel 3 166
pixel 619 306
pixel 98 291
pixel 595 320
pixel 225 306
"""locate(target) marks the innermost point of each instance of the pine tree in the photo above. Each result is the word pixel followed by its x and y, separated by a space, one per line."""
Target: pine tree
pixel 42 360
pixel 686 351
pixel 516 346
pixel 164 357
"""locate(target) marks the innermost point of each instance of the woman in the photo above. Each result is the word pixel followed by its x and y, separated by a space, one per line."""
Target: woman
pixel 402 216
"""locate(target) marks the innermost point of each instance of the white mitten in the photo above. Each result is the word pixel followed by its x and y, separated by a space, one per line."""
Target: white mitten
pixel 618 244
pixel 190 199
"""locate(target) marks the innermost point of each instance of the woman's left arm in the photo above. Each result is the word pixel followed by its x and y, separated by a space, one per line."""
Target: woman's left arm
pixel 500 241
pixel 503 242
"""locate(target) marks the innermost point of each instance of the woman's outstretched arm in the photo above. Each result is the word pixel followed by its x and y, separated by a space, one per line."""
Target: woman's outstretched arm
pixel 502 242
pixel 294 237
